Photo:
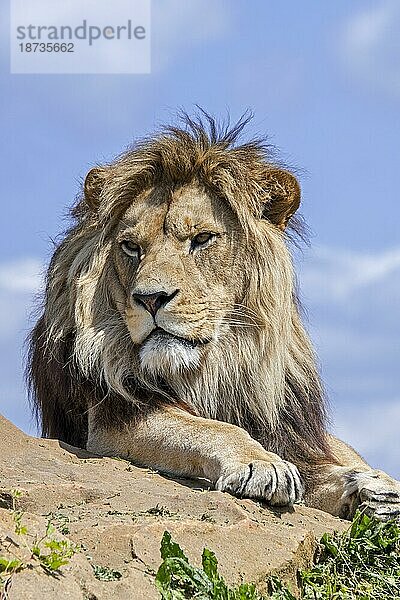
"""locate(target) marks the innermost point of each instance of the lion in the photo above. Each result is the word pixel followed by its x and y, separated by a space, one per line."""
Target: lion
pixel 171 333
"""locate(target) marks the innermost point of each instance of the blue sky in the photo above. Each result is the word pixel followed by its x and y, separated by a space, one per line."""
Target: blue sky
pixel 324 82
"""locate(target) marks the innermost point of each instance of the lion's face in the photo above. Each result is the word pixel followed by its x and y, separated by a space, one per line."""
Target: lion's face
pixel 179 260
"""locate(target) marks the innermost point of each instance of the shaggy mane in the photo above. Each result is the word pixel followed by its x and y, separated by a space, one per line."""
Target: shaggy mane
pixel 80 351
pixel 202 149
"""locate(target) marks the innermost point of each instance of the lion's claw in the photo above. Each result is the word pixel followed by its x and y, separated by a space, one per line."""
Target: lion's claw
pixel 383 512
pixel 376 495
pixel 278 483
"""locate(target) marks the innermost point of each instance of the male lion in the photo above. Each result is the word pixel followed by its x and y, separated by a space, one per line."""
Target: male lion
pixel 171 334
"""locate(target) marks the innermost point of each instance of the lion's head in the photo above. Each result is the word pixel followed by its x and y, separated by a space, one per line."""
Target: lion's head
pixel 176 278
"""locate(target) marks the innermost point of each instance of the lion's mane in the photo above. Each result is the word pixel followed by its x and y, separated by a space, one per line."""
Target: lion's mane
pixel 260 377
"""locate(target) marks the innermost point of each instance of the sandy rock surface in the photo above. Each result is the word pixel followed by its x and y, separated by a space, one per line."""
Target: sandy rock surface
pixel 117 513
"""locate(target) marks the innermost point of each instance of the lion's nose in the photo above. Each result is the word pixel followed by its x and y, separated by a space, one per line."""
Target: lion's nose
pixel 153 302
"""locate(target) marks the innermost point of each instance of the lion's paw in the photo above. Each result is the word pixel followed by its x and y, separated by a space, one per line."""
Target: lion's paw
pixel 278 483
pixel 377 495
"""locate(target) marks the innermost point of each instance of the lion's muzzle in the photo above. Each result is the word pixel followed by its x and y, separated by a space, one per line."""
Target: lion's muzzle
pixel 153 302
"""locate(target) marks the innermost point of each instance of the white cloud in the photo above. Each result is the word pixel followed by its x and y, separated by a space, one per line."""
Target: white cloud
pixel 352 300
pixel 373 429
pixel 367 27
pixel 22 276
pixel 20 280
pixel 334 274
pixel 370 46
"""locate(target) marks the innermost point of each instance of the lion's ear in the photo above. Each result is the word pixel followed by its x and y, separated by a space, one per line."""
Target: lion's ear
pixel 284 197
pixel 92 187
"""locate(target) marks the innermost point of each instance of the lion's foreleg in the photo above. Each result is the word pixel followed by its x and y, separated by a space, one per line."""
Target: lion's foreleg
pixel 352 484
pixel 174 441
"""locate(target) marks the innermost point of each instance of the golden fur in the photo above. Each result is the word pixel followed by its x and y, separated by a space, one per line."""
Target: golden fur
pixel 171 329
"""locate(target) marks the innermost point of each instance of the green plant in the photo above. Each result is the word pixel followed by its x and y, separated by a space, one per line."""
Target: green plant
pixel 60 521
pixel 49 552
pixel 177 579
pixel 105 573
pixel 59 551
pixel 361 564
pixel 17 514
pixel 8 567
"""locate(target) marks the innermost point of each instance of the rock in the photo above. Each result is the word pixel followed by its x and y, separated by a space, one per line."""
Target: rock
pixel 117 514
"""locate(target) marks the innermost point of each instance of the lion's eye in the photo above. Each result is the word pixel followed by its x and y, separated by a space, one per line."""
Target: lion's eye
pixel 130 248
pixel 201 240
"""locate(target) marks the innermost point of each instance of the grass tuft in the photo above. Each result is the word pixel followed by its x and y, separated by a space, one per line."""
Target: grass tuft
pixel 363 563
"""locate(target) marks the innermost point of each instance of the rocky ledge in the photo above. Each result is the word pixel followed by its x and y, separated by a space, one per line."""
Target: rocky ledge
pixel 116 513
